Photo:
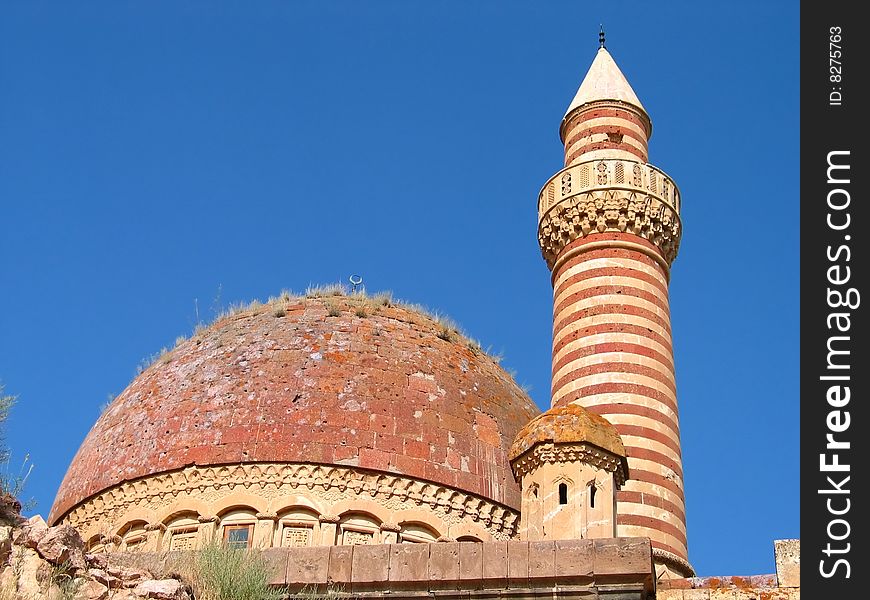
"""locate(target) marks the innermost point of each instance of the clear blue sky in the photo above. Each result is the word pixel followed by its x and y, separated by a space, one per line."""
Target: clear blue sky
pixel 155 155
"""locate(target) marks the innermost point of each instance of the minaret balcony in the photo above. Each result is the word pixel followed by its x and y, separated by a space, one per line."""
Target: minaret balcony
pixel 609 195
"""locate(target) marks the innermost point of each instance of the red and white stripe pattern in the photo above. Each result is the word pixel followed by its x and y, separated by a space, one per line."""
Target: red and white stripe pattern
pixel 612 354
pixel 605 130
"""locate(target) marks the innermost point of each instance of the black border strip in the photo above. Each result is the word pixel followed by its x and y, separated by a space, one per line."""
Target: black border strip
pixel 834 229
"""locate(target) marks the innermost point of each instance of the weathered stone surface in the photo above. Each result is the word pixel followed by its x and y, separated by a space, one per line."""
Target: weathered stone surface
pixel 62 544
pixel 542 557
pixel 621 557
pixel 5 543
pixel 444 565
pixel 518 564
pixel 731 587
pixel 471 565
pixel 409 566
pixel 104 578
pixel 422 406
pixel 128 576
pixel 162 589
pixel 307 565
pixel 495 564
pixel 787 554
pixel 340 565
pixel 276 560
pixel 573 562
pixel 31 532
pixel 370 567
pixel 93 590
pixel 32 573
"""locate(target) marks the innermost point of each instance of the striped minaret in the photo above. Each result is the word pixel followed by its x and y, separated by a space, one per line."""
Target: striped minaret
pixel 609 229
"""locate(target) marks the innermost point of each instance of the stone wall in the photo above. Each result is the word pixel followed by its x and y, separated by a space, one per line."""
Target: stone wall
pixel 784 585
pixel 589 569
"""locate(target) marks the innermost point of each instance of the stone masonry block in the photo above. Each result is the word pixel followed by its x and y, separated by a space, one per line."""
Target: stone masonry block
pixel 621 558
pixel 275 560
pixel 340 564
pixel 495 564
pixel 471 565
pixel 444 565
pixel 574 561
pixel 307 566
pixel 518 564
pixel 370 567
pixel 787 554
pixel 542 557
pixel 409 566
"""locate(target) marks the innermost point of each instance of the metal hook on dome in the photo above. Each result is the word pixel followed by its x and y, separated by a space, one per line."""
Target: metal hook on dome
pixel 355 282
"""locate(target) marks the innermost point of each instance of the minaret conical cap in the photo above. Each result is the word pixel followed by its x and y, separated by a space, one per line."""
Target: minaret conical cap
pixel 604 81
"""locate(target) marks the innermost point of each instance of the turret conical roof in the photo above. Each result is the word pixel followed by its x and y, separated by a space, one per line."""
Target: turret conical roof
pixel 604 81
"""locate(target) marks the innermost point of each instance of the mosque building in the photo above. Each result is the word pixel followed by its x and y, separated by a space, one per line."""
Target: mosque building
pixel 341 419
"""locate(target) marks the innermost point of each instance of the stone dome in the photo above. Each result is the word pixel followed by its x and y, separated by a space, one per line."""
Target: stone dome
pixel 337 380
pixel 570 423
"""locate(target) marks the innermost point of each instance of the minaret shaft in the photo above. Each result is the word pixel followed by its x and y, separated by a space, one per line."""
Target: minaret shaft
pixel 609 229
pixel 612 354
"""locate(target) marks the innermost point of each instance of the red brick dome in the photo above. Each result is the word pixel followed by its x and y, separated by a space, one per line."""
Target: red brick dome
pixel 335 380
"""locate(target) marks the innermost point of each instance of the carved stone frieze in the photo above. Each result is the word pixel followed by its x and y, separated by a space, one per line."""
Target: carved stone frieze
pixel 646 206
pixel 272 481
pixel 562 453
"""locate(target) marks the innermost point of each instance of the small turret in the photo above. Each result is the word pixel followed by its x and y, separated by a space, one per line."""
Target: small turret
pixel 569 463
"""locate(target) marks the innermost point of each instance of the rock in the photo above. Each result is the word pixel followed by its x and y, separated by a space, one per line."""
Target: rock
pixel 7 578
pixel 104 578
pixel 10 510
pixel 162 589
pixel 5 543
pixel 30 533
pixel 33 573
pixel 127 576
pixel 97 561
pixel 92 590
pixel 63 545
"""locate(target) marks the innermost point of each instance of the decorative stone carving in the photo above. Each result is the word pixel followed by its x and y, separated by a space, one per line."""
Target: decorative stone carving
pixel 552 453
pixel 271 481
pixel 611 205
pixel 329 518
pixel 679 566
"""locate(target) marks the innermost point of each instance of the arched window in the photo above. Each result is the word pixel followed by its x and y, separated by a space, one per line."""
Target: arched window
pixel 563 493
pixel 592 490
pixel 237 527
pixel 417 533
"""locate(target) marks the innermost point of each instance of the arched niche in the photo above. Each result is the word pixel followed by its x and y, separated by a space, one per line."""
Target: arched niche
pixel 359 528
pixel 133 536
pixel 417 533
pixel 182 531
pixel 298 526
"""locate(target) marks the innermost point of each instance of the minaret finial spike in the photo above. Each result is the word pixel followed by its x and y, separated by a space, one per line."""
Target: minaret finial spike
pixel 601 36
